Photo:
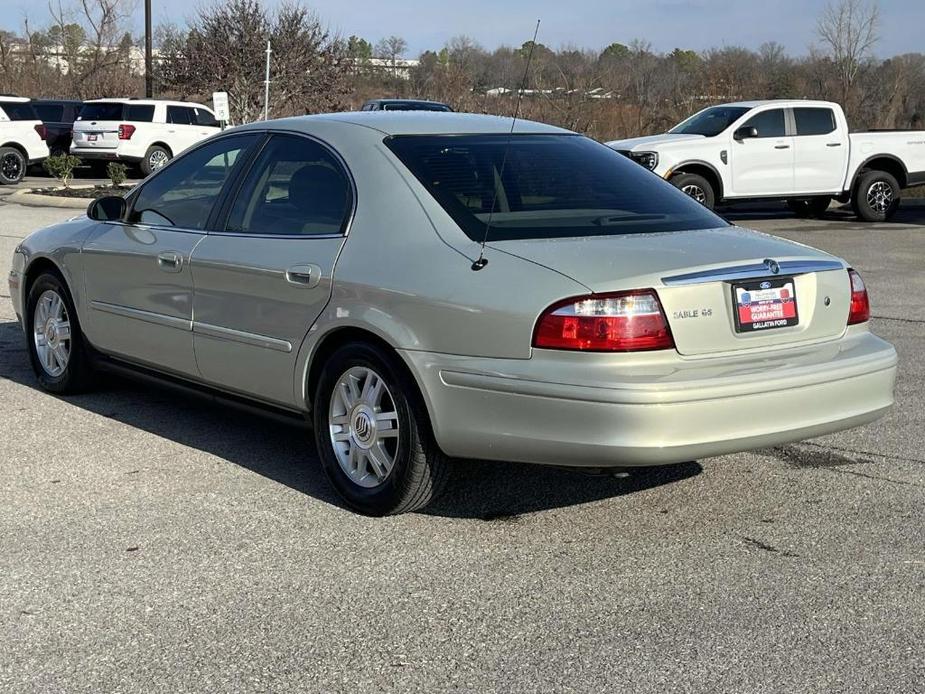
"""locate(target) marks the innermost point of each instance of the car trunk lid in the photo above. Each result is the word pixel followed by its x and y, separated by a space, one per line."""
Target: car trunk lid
pixel 696 275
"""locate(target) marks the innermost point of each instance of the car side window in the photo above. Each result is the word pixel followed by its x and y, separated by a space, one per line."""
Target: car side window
pixel 50 113
pixel 185 191
pixel 204 118
pixel 768 123
pixel 139 113
pixel 179 115
pixel 814 121
pixel 296 187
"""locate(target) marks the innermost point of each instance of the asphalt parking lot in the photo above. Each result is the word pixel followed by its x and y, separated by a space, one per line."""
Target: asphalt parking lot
pixel 152 543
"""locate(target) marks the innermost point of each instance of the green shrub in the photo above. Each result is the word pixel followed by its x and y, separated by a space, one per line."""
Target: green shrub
pixel 117 173
pixel 62 166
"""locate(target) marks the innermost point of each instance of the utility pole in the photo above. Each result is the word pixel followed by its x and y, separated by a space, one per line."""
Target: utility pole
pixel 149 62
pixel 266 85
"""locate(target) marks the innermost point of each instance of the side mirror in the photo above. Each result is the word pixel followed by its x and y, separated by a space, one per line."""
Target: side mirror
pixel 745 132
pixel 110 208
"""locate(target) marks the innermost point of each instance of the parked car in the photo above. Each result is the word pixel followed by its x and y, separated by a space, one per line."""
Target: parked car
pixel 798 151
pixel 376 273
pixel 58 115
pixel 404 105
pixel 145 132
pixel 22 138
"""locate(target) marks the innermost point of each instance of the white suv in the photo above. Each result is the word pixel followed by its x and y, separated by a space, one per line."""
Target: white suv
pixel 147 132
pixel 22 138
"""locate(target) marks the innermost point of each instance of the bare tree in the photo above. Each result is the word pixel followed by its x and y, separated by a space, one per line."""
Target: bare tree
pixel 848 30
pixel 392 48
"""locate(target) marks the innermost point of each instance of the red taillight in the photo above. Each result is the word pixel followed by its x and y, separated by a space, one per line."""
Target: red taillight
pixel 860 303
pixel 41 130
pixel 619 322
pixel 126 131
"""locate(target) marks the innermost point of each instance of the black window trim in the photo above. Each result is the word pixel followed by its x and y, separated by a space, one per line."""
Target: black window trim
pixel 239 164
pixel 230 196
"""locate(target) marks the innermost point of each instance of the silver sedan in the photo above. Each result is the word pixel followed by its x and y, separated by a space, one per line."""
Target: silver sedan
pixel 428 286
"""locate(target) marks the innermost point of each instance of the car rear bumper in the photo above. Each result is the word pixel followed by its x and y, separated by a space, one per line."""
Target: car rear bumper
pixel 662 410
pixel 90 154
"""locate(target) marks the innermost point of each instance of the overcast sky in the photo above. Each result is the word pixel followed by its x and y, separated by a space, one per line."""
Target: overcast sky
pixel 695 24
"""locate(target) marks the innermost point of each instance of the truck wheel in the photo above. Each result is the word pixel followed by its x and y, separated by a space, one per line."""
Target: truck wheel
pixel 12 165
pixel 809 207
pixel 876 197
pixel 696 187
pixel 155 158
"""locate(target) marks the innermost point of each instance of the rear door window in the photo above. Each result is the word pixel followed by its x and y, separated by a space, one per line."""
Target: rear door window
pixel 295 188
pixel 180 115
pixel 814 121
pixel 768 123
pixel 545 186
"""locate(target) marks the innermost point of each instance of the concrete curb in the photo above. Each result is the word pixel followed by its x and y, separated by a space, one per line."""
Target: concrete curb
pixel 28 198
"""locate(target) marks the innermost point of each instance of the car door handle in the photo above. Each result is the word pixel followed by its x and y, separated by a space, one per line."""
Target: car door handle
pixel 833 144
pixel 170 261
pixel 781 146
pixel 304 275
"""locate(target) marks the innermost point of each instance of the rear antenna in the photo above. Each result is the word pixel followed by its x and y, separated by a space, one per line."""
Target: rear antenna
pixel 482 260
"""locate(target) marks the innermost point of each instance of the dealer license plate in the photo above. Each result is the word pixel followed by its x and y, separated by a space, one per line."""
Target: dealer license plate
pixel 765 304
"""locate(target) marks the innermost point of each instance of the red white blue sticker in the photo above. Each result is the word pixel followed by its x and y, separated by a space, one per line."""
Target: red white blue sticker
pixel 765 304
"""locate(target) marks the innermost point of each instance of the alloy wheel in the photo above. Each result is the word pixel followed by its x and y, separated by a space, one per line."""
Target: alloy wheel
pixel 158 159
pixel 695 192
pixel 880 196
pixel 51 330
pixel 364 427
pixel 11 166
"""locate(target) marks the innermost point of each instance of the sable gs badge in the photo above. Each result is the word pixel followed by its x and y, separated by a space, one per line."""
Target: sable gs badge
pixel 765 304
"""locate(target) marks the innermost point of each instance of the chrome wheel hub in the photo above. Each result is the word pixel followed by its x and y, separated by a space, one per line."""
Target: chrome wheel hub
pixel 158 159
pixel 52 333
pixel 363 424
pixel 695 192
pixel 880 196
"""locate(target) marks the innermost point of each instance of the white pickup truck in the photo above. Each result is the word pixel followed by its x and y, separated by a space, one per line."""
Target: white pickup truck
pixel 798 151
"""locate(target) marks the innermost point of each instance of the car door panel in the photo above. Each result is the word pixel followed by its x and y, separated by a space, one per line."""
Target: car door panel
pixel 763 165
pixel 252 309
pixel 820 155
pixel 264 280
pixel 137 274
pixel 140 302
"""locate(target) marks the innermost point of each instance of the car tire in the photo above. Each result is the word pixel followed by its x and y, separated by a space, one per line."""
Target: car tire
pixel 379 466
pixel 155 158
pixel 12 166
pixel 808 208
pixel 57 350
pixel 696 187
pixel 876 196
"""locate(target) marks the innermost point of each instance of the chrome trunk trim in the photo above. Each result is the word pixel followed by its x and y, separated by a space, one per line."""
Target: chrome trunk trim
pixel 740 272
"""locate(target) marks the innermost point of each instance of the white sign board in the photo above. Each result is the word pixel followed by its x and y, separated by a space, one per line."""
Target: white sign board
pixel 220 106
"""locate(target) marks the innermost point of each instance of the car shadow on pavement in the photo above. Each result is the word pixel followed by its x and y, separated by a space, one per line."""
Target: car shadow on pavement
pixel 284 452
pixel 911 212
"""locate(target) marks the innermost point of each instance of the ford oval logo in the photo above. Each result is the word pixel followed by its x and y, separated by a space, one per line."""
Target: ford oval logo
pixel 765 285
pixel 772 266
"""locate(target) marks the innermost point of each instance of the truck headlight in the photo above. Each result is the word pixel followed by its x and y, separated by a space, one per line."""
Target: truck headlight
pixel 647 159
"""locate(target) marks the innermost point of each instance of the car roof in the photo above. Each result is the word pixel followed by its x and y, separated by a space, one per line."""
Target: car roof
pixel 417 123
pixel 14 99
pixel 144 102
pixel 779 102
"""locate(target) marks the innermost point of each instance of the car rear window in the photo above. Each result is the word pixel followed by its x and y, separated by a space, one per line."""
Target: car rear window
pixel 545 186
pixel 117 111
pixel 814 121
pixel 19 110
